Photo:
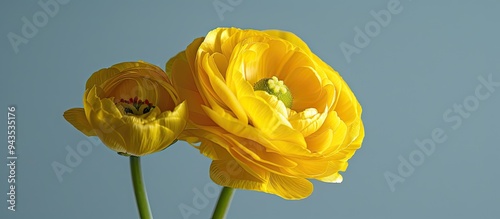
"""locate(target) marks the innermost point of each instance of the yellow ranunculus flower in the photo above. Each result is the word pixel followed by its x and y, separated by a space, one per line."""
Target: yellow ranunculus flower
pixel 266 110
pixel 132 107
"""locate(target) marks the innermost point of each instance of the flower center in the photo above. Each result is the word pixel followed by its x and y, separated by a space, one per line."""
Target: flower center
pixel 277 88
pixel 134 106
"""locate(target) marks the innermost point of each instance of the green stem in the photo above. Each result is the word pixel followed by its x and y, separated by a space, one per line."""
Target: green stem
pixel 141 196
pixel 223 204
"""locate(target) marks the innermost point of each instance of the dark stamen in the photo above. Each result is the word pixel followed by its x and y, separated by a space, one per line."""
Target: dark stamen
pixel 137 103
pixel 128 111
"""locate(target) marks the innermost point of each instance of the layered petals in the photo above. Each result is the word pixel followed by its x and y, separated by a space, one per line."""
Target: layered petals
pixel 239 120
pixel 132 107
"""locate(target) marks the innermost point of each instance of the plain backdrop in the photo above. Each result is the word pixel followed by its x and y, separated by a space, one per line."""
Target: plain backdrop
pixel 412 73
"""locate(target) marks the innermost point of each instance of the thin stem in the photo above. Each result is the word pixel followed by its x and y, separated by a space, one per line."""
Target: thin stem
pixel 141 196
pixel 223 203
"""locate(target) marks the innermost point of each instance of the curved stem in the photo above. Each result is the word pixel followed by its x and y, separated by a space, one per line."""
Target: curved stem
pixel 141 196
pixel 223 203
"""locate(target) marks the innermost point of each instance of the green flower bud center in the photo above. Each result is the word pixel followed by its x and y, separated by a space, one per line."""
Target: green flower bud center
pixel 277 88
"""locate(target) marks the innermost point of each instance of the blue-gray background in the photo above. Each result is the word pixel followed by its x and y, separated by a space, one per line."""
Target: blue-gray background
pixel 428 58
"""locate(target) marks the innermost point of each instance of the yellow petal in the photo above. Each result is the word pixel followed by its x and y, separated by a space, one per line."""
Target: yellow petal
pixel 262 115
pixel 105 118
pixel 185 84
pixel 221 91
pixel 276 104
pixel 250 167
pixel 145 83
pixel 203 76
pixel 307 121
pixel 306 88
pixel 346 104
pixel 351 144
pixel 210 144
pixel 187 56
pixel 102 109
pixel 255 153
pixel 142 64
pixel 143 139
pixel 308 167
pixel 230 173
pixel 288 187
pixel 169 66
pixel 330 137
pixel 175 121
pixel 236 79
pixel 284 140
pixel 334 178
pixel 346 108
pixel 356 144
pixel 101 76
pixel 146 136
pixel 192 51
pixel 77 118
pixel 250 60
pixel 223 40
pixel 318 143
pixel 289 36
